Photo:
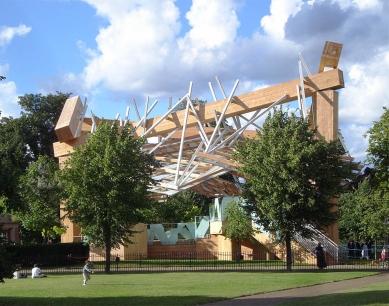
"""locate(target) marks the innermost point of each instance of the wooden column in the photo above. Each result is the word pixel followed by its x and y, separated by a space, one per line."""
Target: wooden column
pixel 326 114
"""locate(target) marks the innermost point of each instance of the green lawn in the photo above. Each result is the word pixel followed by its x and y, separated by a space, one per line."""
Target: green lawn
pixel 373 295
pixel 174 288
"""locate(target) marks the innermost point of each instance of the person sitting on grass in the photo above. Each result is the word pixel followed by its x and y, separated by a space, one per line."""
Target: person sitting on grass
pixel 86 271
pixel 36 272
pixel 17 274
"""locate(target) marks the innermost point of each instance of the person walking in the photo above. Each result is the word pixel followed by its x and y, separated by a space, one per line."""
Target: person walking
pixel 87 271
pixel 384 257
pixel 351 248
pixel 365 252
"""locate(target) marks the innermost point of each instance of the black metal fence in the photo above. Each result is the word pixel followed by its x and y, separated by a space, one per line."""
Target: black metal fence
pixel 181 261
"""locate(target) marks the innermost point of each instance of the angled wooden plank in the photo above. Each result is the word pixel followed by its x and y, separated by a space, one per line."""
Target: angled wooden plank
pixel 69 119
pixel 330 56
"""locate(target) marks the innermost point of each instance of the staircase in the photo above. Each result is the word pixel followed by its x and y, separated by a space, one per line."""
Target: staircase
pixel 330 247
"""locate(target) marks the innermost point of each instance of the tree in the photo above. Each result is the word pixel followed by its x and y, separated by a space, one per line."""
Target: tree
pixel 378 151
pixel 24 139
pixel 39 117
pixel 13 162
pixel 238 225
pixel 41 194
pixel 292 177
pixel 6 267
pixel 181 207
pixel 364 213
pixel 106 184
pixel 365 208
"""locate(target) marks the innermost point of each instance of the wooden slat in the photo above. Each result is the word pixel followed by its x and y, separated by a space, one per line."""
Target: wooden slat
pixel 217 159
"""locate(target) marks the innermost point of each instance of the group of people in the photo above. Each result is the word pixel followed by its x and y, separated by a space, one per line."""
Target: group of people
pixel 37 273
pixel 359 249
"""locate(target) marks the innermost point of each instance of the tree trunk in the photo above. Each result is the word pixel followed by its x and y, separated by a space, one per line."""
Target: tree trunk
pixel 239 252
pixel 107 238
pixel 288 252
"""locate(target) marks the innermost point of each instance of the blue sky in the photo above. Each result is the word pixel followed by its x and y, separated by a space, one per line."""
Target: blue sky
pixel 111 52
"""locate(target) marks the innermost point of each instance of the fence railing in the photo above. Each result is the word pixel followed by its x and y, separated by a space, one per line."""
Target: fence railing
pixel 180 261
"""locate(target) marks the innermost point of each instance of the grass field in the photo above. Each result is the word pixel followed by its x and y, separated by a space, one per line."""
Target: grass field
pixel 183 288
pixel 374 295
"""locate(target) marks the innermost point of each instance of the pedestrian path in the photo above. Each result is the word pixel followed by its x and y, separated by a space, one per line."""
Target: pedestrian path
pixel 277 297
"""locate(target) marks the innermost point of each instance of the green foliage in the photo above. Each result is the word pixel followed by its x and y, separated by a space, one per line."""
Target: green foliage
pixel 107 186
pixel 378 151
pixel 6 269
pixel 13 161
pixel 365 209
pixel 364 213
pixel 292 177
pixel 75 248
pixel 41 194
pixel 238 224
pixel 38 118
pixel 24 139
pixel 181 207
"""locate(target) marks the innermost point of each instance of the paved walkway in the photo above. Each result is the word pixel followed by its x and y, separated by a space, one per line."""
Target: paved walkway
pixel 277 297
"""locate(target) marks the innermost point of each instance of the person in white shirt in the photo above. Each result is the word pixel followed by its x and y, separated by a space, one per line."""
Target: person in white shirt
pixel 36 272
pixel 16 274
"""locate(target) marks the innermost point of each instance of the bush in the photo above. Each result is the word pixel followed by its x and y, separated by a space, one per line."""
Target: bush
pixel 46 254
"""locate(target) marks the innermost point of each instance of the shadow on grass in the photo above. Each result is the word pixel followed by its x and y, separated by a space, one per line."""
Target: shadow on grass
pixel 376 297
pixel 351 298
pixel 139 300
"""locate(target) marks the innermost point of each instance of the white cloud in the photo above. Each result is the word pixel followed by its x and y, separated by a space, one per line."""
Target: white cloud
pixel 4 70
pixel 364 95
pixel 355 142
pixel 280 10
pixel 135 47
pixel 214 26
pixel 362 101
pixel 8 33
pixel 8 99
pixel 8 94
pixel 360 4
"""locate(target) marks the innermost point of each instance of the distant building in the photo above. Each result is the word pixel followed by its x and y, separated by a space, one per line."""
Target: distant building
pixel 9 230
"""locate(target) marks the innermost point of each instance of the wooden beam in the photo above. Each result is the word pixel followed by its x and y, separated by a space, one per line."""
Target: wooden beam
pixel 69 119
pixel 65 148
pixel 252 101
pixel 262 98
pixel 226 162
